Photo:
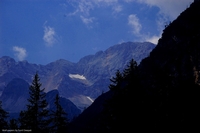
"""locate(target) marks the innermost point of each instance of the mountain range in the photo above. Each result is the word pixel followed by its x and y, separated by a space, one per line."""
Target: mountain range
pixel 77 83
pixel 161 94
pixel 16 93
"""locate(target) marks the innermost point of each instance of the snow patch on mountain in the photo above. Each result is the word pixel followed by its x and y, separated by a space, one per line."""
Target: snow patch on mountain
pixel 77 76
pixel 90 99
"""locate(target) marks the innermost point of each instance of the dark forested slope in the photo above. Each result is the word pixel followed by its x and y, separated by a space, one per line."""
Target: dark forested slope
pixel 162 93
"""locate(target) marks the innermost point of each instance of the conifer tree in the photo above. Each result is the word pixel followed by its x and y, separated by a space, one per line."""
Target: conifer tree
pixel 131 68
pixel 3 116
pixel 13 124
pixel 116 81
pixel 59 118
pixel 126 88
pixel 36 115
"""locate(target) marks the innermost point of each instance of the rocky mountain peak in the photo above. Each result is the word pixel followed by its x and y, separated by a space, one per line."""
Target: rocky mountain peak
pixel 163 93
pixel 7 62
pixel 179 39
pixel 81 82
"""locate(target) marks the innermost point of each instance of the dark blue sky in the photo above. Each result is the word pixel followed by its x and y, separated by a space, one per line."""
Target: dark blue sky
pixel 42 31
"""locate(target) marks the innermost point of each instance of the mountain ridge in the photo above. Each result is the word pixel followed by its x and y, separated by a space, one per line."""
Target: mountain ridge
pixel 163 90
pixel 15 95
pixel 65 76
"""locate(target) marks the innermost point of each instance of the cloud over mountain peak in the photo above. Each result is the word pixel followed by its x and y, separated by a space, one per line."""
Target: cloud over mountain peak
pixel 20 53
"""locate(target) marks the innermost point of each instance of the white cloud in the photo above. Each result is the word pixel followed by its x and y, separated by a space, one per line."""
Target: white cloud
pixel 106 1
pixel 153 39
pixel 49 36
pixel 73 13
pixel 170 8
pixel 114 4
pixel 117 8
pixel 20 53
pixel 84 7
pixel 133 21
pixel 87 20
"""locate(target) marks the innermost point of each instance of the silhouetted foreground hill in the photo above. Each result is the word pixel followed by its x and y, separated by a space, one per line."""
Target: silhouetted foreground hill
pixel 162 93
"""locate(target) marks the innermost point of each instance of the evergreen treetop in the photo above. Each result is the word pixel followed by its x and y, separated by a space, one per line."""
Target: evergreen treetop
pixel 3 117
pixel 59 117
pixel 36 115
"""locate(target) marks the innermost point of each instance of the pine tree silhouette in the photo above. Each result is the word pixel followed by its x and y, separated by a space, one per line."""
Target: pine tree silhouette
pixel 13 124
pixel 59 118
pixel 35 117
pixel 116 81
pixel 3 116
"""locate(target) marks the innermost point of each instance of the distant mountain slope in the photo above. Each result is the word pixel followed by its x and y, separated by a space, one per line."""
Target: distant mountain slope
pixel 70 108
pixel 99 68
pixel 15 95
pixel 163 95
pixel 80 82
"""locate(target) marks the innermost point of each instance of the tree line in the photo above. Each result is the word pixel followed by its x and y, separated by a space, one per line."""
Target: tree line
pixel 36 118
pixel 162 102
pixel 170 102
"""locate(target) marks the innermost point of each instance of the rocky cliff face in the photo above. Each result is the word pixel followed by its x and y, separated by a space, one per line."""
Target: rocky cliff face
pixel 80 82
pixel 100 67
pixel 163 95
pixel 11 69
pixel 171 72
pixel 177 53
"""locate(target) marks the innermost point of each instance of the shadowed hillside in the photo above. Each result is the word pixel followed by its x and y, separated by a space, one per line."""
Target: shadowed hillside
pixel 162 93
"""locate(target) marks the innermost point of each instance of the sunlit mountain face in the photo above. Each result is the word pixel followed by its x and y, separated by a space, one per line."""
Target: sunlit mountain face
pixel 80 82
pixel 159 95
pixel 82 49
